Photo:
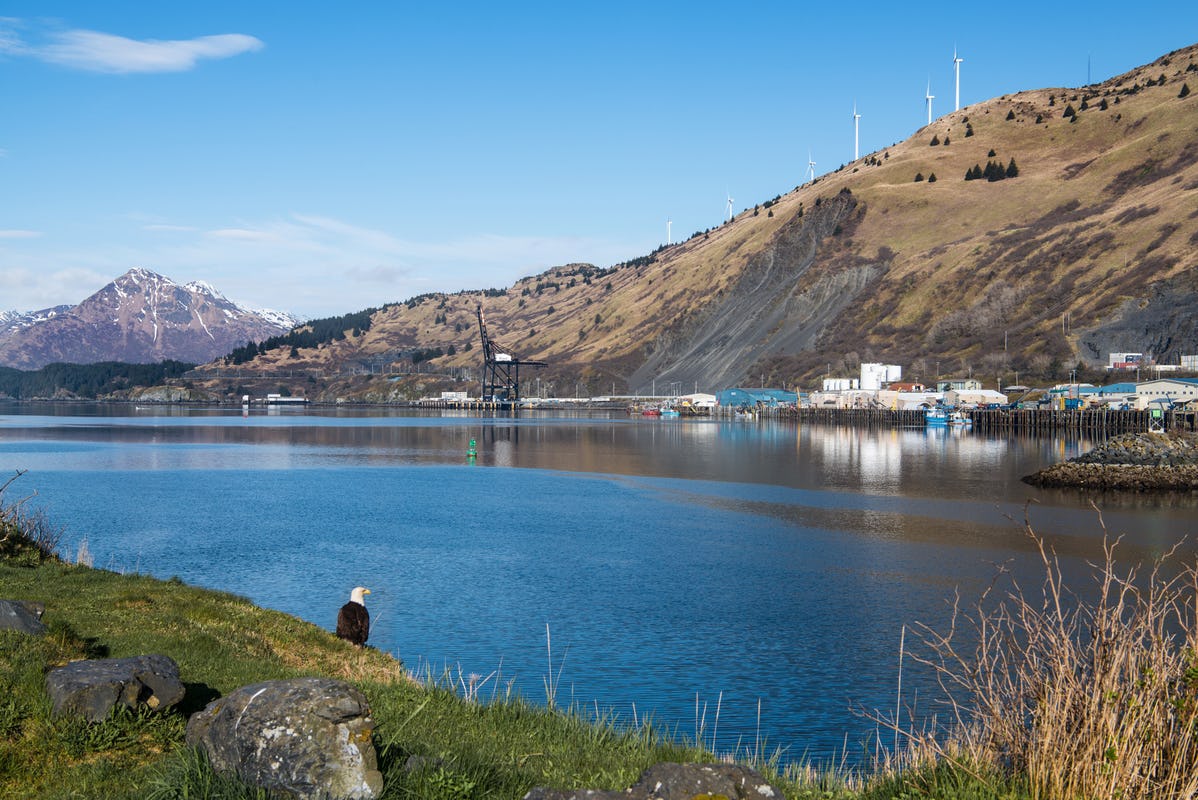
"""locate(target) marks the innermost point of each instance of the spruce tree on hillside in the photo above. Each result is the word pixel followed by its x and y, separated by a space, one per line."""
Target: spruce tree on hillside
pixel 1012 170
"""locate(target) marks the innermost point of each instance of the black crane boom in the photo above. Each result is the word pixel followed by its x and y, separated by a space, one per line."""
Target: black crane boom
pixel 501 369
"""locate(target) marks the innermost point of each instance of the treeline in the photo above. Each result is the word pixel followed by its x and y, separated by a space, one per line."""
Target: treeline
pixel 311 334
pixel 85 380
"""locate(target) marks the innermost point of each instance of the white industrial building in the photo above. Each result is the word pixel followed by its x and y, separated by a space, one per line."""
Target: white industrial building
pixel 875 376
pixel 908 401
pixel 959 398
pixel 1124 360
pixel 1167 391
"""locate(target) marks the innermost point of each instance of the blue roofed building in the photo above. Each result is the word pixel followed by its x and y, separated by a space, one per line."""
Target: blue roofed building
pixel 752 398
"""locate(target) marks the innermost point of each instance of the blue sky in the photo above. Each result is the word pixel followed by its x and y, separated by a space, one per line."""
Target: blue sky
pixel 321 158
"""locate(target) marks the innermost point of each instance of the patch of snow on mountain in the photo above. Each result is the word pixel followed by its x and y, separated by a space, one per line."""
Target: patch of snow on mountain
pixel 280 318
pixel 203 287
pixel 200 320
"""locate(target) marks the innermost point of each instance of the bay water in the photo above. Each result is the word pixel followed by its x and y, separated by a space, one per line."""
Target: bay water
pixel 743 582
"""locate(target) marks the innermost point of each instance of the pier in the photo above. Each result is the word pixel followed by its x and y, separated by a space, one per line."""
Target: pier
pixel 1099 422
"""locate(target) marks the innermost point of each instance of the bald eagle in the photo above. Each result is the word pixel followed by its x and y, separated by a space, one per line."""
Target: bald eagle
pixel 353 620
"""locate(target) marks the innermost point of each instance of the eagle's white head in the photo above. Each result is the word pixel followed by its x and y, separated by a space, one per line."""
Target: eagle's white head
pixel 358 595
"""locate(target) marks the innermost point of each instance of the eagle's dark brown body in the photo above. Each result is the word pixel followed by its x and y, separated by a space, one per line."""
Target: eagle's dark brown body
pixel 353 623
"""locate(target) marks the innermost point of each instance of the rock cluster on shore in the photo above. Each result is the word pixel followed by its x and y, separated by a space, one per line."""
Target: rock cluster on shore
pixel 1138 462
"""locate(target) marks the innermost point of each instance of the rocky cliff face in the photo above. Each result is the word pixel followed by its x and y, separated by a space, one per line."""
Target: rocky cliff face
pixel 781 302
pixel 141 317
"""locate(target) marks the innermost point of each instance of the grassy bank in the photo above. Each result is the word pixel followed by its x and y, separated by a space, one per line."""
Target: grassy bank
pixel 1112 721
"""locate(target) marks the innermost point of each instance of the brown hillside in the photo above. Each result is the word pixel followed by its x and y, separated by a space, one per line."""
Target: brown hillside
pixel 1091 248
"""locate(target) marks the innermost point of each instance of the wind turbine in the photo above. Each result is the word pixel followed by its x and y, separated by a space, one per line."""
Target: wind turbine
pixel 927 95
pixel 669 231
pixel 810 167
pixel 856 129
pixel 957 71
pixel 729 208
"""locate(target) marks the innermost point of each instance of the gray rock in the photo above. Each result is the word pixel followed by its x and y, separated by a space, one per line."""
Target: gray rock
pixel 304 737
pixel 23 616
pixel 679 782
pixel 92 689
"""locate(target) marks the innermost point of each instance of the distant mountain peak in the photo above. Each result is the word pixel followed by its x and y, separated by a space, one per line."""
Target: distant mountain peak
pixel 140 317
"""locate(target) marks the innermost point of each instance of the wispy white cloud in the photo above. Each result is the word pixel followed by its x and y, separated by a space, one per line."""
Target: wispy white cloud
pixel 95 51
pixel 29 289
pixel 19 234
pixel 163 227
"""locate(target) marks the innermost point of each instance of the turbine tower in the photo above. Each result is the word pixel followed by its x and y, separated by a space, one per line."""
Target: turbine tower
pixel 856 129
pixel 810 167
pixel 729 208
pixel 957 72
pixel 929 97
pixel 669 231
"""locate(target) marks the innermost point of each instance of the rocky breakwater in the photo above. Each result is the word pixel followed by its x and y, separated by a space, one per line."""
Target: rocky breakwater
pixel 1136 462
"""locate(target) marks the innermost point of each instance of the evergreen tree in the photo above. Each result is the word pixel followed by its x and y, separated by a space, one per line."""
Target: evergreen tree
pixel 932 178
pixel 935 141
pixel 1011 115
pixel 1070 111
pixel 1012 170
pixel 1185 90
pixel 918 177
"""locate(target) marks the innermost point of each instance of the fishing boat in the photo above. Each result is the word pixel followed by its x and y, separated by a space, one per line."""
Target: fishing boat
pixel 959 419
pixel 667 413
pixel 936 417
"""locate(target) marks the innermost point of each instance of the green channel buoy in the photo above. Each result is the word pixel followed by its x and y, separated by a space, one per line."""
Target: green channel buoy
pixel 471 451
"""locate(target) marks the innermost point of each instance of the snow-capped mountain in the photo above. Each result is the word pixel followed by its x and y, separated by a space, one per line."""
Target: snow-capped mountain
pixel 140 317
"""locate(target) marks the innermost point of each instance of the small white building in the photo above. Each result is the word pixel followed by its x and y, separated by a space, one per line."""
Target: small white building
pixel 839 384
pixel 1124 360
pixel 697 400
pixel 908 401
pixel 958 398
pixel 853 398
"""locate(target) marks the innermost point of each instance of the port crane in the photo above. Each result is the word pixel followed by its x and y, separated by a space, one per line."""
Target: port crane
pixel 501 369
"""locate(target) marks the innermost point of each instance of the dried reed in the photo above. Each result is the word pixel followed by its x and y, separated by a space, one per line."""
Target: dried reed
pixel 1081 694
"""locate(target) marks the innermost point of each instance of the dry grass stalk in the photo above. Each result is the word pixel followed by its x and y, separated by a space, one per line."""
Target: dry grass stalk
pixel 1085 696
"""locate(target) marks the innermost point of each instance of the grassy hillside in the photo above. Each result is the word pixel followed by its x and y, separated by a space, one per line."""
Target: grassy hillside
pixel 1092 247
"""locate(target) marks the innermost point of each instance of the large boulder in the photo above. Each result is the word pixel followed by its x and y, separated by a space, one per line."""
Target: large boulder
pixel 92 689
pixel 679 782
pixel 304 737
pixel 23 616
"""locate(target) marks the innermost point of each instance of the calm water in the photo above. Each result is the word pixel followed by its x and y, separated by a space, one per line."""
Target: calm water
pixel 678 564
